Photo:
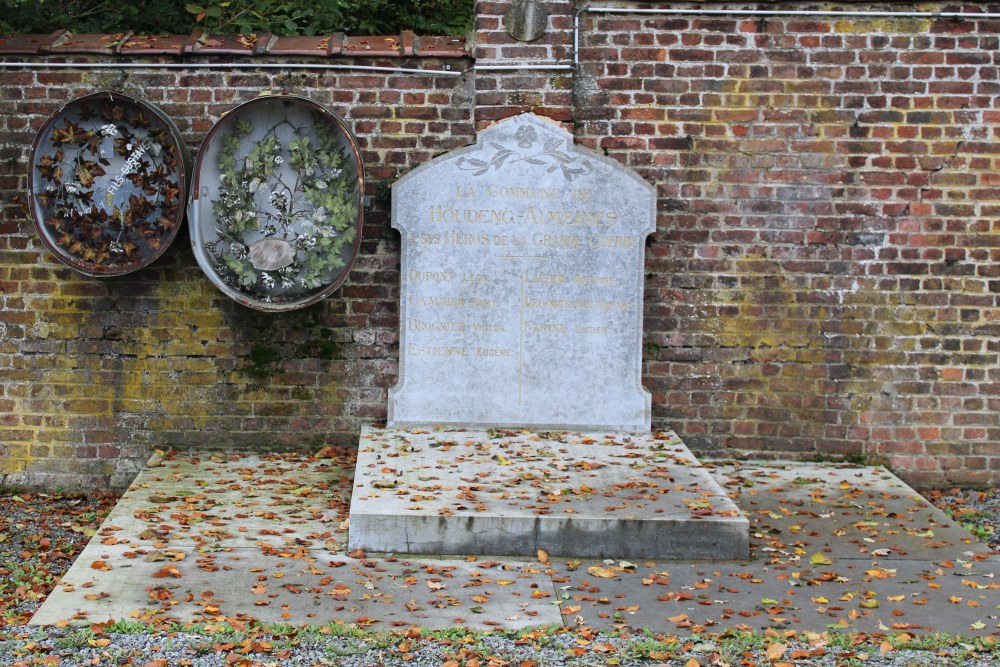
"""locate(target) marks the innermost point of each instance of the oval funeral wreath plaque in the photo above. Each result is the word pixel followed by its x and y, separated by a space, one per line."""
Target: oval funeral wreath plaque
pixel 107 182
pixel 275 212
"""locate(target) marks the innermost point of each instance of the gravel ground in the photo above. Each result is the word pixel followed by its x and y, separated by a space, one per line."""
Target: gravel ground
pixel 41 534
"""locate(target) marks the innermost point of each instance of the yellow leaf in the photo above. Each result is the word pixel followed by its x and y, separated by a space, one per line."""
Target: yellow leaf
pixel 84 176
pixel 679 618
pixel 820 559
pixel 543 556
pixel 885 647
pixel 603 572
pixel 692 663
pixel 776 650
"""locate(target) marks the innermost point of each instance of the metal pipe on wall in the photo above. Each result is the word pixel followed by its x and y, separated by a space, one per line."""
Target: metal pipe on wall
pixel 234 66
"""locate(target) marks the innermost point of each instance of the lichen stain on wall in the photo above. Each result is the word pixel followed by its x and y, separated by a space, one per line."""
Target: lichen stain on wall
pixel 869 26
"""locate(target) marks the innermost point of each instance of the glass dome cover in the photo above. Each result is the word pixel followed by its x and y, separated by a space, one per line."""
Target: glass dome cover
pixel 276 209
pixel 108 180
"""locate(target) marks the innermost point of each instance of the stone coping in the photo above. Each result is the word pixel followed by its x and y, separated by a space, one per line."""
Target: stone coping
pixel 199 43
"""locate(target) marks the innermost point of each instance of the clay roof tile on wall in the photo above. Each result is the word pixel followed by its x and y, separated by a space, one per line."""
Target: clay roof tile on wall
pixel 200 43
pixel 441 47
pixel 229 45
pixel 67 42
pixel 328 45
pixel 27 45
pixel 172 45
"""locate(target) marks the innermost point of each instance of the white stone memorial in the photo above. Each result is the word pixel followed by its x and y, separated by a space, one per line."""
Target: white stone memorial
pixel 521 285
pixel 519 421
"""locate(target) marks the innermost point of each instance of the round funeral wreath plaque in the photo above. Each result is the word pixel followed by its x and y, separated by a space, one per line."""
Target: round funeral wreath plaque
pixel 107 183
pixel 275 212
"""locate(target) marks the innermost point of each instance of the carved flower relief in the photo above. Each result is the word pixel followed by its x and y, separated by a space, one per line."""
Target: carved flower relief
pixel 551 156
pixel 526 136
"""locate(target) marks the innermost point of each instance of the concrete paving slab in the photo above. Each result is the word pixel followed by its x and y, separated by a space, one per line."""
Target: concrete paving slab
pixel 850 594
pixel 796 507
pixel 514 493
pixel 204 538
pixel 819 576
pixel 227 500
pixel 310 587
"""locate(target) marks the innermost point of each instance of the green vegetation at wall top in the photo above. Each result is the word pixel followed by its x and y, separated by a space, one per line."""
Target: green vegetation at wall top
pixel 282 17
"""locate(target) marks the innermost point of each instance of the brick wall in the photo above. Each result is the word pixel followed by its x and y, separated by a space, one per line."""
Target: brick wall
pixel 98 372
pixel 825 275
pixel 824 279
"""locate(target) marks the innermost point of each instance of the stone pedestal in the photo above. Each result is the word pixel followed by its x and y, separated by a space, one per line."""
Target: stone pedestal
pixel 506 492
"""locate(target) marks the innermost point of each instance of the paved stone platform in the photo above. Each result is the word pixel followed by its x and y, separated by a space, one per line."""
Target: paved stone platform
pixel 591 495
pixel 206 537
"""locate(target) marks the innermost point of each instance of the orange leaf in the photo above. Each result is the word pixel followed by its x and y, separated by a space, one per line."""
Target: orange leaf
pixel 100 565
pixel 167 571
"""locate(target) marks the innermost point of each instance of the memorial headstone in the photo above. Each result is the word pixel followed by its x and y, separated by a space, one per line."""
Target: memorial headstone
pixel 519 421
pixel 521 285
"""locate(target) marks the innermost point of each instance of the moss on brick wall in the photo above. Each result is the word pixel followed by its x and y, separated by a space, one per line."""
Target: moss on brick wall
pixel 97 373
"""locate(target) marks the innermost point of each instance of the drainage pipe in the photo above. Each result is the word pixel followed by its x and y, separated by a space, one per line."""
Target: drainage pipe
pixel 504 68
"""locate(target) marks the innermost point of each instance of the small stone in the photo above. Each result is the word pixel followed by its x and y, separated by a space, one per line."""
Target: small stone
pixel 271 254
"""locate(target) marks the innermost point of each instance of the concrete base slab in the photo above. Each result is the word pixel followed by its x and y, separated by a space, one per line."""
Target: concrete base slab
pixel 847 511
pixel 211 536
pixel 514 493
pixel 832 548
pixel 848 595
pixel 313 588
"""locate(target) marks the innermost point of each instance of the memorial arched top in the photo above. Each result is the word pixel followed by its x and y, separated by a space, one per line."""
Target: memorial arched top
pixel 522 157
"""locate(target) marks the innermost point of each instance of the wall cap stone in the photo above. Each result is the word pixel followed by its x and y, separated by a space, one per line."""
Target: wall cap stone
pixel 199 43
